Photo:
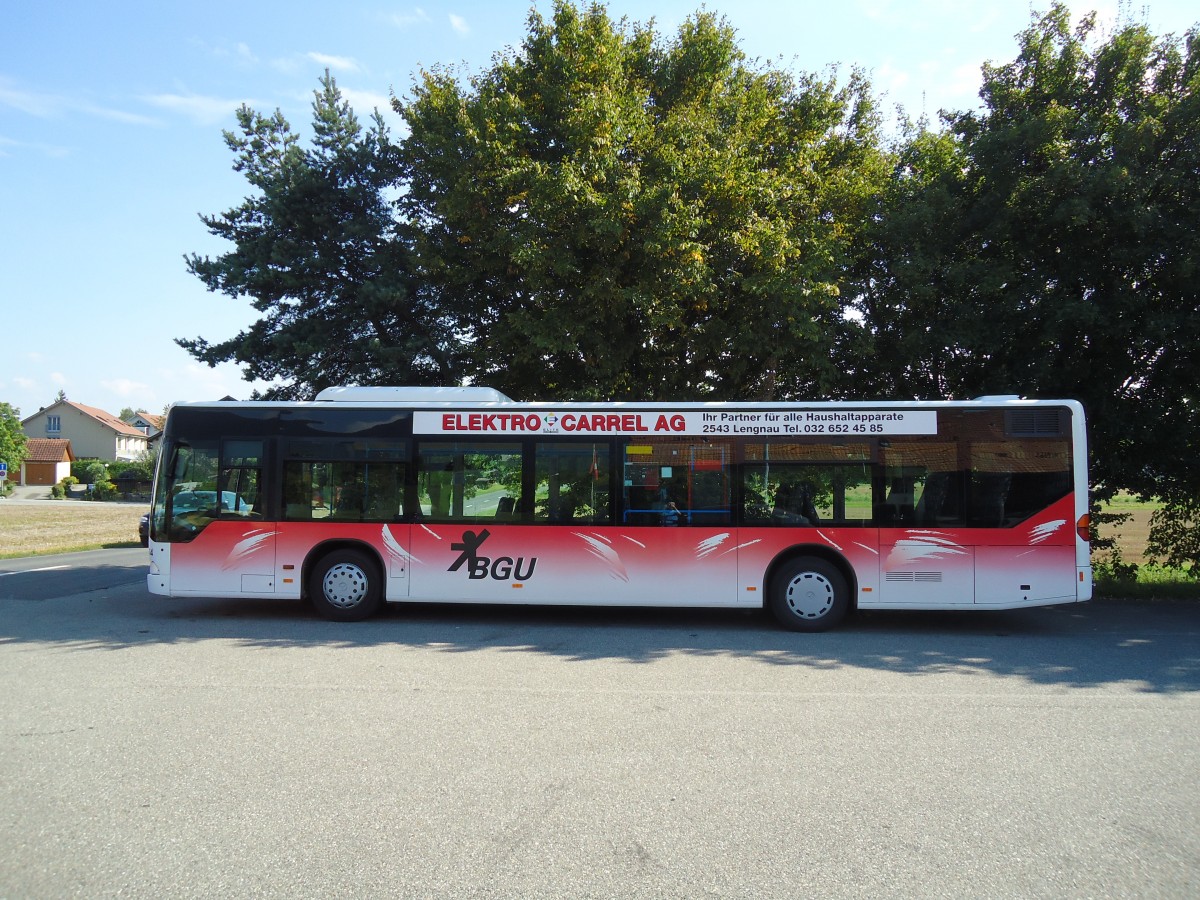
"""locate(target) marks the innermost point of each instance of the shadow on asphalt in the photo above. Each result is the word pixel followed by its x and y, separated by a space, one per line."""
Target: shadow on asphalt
pixel 1154 647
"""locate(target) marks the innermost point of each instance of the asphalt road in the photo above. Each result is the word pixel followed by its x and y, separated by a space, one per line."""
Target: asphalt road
pixel 199 748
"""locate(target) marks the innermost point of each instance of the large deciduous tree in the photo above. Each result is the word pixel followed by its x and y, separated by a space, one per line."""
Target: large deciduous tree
pixel 1049 245
pixel 613 214
pixel 319 251
pixel 12 439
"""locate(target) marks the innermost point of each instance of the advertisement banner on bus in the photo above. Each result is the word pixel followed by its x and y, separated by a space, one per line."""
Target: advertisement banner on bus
pixel 793 423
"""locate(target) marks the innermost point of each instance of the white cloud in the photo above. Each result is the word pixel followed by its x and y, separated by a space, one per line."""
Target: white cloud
pixel 27 383
pixel 43 106
pixel 407 20
pixel 58 378
pixel 459 24
pixel 117 115
pixel 49 106
pixel 53 151
pixel 962 87
pixel 290 65
pixel 195 381
pixel 336 63
pixel 202 110
pixel 240 52
pixel 125 387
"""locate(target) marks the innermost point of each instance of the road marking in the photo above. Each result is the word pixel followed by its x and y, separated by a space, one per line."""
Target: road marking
pixel 42 569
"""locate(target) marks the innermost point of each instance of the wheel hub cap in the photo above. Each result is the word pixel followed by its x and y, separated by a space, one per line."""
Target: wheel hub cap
pixel 810 595
pixel 345 585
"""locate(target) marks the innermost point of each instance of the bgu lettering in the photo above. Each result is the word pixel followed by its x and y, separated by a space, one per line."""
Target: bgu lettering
pixel 503 568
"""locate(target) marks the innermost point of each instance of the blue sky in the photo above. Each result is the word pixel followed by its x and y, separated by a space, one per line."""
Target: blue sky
pixel 110 142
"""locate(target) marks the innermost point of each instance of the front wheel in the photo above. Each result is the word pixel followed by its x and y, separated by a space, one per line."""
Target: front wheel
pixel 345 586
pixel 809 594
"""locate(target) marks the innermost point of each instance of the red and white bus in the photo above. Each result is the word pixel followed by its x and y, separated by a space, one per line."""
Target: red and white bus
pixel 374 495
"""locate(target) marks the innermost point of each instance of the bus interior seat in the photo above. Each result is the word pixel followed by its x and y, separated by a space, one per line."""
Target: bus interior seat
pixel 794 505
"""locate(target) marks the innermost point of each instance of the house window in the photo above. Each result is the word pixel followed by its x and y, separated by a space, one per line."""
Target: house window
pixel 53 424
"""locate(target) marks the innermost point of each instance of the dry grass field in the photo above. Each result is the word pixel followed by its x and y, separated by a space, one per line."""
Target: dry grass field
pixel 61 526
pixel 1131 536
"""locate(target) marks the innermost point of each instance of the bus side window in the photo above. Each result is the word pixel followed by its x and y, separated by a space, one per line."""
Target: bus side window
pixel 344 480
pixel 571 483
pixel 794 504
pixel 297 492
pixel 468 480
pixel 241 477
pixel 678 481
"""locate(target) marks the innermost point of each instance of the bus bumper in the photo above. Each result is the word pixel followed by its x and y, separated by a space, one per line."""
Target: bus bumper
pixel 158 579
pixel 1083 586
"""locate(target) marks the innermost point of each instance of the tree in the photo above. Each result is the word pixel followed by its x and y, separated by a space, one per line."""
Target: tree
pixel 610 214
pixel 1048 245
pixel 323 258
pixel 12 439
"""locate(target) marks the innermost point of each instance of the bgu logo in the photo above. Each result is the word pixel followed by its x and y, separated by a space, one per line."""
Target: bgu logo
pixel 501 569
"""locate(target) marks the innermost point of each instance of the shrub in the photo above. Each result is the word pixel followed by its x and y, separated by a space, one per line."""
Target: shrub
pixel 138 471
pixel 1175 536
pixel 90 471
pixel 104 490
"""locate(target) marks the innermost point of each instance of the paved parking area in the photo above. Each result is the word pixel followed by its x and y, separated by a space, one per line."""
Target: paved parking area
pixel 207 747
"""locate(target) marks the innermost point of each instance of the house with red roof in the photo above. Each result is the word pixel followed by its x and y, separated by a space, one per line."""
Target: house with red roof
pixel 151 425
pixel 93 433
pixel 47 461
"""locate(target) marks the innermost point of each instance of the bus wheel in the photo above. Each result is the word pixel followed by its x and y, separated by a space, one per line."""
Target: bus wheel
pixel 809 594
pixel 345 586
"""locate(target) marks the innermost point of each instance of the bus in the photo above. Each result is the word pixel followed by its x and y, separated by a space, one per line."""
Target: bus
pixel 374 495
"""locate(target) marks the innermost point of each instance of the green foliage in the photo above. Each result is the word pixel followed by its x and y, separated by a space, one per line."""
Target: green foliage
pixel 1175 535
pixel 324 261
pixel 1108 562
pixel 137 469
pixel 608 212
pixel 1047 246
pixel 1149 582
pixel 615 214
pixel 12 439
pixel 103 490
pixel 90 471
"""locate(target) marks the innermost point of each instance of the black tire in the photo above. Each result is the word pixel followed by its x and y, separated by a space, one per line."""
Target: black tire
pixel 346 586
pixel 809 594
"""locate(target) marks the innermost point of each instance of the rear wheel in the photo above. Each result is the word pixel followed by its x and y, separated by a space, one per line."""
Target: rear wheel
pixel 809 594
pixel 345 586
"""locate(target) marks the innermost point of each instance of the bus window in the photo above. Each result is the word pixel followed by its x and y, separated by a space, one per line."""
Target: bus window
pixel 241 474
pixel 467 481
pixel 677 481
pixel 921 485
pixel 192 490
pixel 1014 479
pixel 571 483
pixel 791 495
pixel 807 484
pixel 344 481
